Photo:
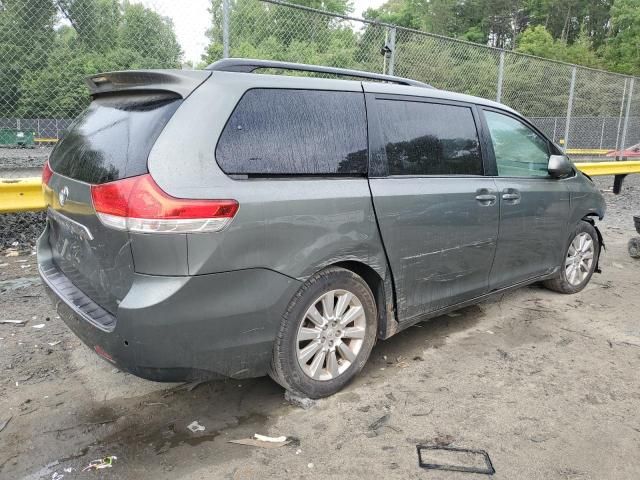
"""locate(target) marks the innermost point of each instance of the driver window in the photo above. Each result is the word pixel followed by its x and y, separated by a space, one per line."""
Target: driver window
pixel 520 152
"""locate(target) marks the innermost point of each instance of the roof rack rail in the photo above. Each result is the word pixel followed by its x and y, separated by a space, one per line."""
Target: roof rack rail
pixel 247 65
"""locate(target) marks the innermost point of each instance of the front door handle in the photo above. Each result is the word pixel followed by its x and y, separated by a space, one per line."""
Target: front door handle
pixel 511 195
pixel 486 197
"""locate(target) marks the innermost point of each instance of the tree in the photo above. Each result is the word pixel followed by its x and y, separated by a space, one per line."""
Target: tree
pixel 622 50
pixel 43 64
pixel 26 33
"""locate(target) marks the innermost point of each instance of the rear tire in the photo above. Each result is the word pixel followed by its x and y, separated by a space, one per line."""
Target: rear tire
pixel 579 261
pixel 326 334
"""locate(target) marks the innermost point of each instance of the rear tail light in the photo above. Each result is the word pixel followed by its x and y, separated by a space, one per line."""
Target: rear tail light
pixel 138 204
pixel 46 173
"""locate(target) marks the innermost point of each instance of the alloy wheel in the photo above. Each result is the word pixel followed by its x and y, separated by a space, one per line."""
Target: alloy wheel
pixel 579 258
pixel 331 335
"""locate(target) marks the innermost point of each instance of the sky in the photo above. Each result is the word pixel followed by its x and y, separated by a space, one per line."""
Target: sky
pixel 191 20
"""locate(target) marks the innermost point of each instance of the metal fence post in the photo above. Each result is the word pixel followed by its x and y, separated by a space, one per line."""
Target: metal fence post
pixel 225 28
pixel 569 108
pixel 624 92
pixel 392 47
pixel 500 77
pixel 604 119
pixel 626 115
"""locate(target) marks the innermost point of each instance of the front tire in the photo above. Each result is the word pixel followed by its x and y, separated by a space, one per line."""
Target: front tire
pixel 579 261
pixel 326 334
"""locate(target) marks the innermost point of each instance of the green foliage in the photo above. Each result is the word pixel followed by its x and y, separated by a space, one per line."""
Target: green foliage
pixel 262 30
pixel 43 64
pixel 622 50
pixel 594 33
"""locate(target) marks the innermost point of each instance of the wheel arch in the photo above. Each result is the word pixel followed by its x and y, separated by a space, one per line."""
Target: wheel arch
pixel 383 293
pixel 590 219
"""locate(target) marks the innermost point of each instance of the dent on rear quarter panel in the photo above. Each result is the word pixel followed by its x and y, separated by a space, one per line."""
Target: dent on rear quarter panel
pixel 292 226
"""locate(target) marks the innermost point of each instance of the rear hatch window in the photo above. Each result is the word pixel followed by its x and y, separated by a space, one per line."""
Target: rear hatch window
pixel 112 138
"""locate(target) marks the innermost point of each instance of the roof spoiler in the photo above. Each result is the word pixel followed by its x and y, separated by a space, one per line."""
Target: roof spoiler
pixel 181 82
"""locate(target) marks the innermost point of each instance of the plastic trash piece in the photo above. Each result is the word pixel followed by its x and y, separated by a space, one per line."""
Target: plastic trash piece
pixel 263 441
pixel 196 427
pixel 14 322
pixel 99 464
pixel 423 462
pixel 264 438
pixel 40 325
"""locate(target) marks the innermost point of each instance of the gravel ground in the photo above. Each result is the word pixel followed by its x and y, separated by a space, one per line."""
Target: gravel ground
pixel 23 228
pixel 22 158
pixel 547 384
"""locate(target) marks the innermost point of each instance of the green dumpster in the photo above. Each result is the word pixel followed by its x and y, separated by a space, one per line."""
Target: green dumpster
pixel 16 138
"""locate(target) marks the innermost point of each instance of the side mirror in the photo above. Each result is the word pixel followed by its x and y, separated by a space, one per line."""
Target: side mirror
pixel 559 166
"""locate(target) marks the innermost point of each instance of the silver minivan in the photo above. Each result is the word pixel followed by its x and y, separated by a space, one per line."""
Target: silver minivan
pixel 225 223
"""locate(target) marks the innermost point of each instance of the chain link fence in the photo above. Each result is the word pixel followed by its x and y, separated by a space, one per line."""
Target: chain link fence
pixel 48 47
pixel 590 112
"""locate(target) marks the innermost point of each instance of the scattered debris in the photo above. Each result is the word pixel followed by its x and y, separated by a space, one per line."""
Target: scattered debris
pixel 53 344
pixel 196 427
pixel 40 325
pixel 299 401
pixel 264 438
pixel 425 414
pixel 57 476
pixel 106 462
pixel 381 422
pixel 263 441
pixel 21 323
pixel 463 454
pixel 190 387
pixel 4 423
pixel 310 465
pixel 153 404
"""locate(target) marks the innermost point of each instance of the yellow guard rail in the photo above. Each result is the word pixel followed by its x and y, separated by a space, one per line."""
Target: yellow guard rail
pixel 21 195
pixel 25 194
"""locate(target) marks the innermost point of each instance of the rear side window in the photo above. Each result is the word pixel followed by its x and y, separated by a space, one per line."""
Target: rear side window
pixel 295 132
pixel 429 138
pixel 112 138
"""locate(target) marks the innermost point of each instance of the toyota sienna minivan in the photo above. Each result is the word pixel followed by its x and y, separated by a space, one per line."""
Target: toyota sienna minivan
pixel 227 223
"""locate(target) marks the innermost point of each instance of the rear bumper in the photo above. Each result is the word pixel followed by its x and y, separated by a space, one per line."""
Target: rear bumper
pixel 183 328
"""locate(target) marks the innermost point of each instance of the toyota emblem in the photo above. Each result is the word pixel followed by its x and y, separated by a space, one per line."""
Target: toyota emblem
pixel 63 195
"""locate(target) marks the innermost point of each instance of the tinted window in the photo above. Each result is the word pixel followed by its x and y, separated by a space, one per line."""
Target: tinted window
pixel 429 138
pixel 295 132
pixel 112 138
pixel 520 152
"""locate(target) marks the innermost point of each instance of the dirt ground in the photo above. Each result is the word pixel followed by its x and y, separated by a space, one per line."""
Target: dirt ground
pixel 548 385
